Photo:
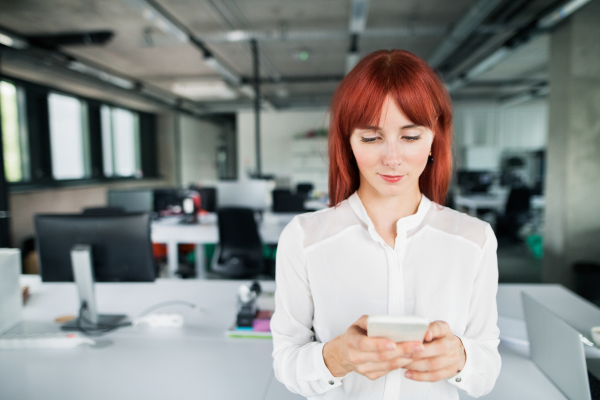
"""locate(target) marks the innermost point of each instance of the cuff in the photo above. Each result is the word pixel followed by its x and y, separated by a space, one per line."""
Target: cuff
pixel 326 378
pixel 461 380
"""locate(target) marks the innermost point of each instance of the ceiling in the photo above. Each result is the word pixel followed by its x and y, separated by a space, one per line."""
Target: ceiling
pixel 303 45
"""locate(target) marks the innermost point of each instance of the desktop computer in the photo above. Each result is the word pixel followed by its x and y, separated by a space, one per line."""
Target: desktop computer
pixel 121 246
pixel 89 248
pixel 135 200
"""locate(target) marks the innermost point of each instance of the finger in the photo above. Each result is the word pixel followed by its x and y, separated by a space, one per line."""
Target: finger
pixel 358 340
pixel 362 322
pixel 385 366
pixel 432 376
pixel 436 348
pixel 436 329
pixel 404 350
pixel 432 363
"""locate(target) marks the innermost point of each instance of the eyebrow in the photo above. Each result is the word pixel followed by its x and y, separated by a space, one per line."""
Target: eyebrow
pixel 378 128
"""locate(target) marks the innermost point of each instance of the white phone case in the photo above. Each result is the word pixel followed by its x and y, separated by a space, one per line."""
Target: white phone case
pixel 402 328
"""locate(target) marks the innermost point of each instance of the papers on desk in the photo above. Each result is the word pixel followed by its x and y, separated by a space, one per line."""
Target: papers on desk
pixel 261 329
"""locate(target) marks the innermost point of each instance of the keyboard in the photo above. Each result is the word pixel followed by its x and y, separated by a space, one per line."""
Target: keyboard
pixel 59 340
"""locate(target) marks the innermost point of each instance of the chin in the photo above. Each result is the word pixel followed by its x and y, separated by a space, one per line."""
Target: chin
pixel 391 190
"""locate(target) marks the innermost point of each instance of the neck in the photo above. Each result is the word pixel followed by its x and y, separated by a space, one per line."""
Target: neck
pixel 385 211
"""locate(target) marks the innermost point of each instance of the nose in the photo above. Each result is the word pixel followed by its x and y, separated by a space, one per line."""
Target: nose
pixel 391 156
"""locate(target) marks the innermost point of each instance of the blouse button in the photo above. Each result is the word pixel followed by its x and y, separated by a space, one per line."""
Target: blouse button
pixel 331 382
pixel 458 379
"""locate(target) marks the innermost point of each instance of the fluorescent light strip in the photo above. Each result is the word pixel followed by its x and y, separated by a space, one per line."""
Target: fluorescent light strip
pixel 102 75
pixel 561 13
pixel 11 41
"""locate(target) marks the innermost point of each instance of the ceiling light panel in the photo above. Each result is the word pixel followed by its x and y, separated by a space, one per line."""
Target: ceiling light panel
pixel 204 90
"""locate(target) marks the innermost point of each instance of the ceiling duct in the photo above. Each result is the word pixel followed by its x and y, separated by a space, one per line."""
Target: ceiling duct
pixel 54 41
pixel 468 23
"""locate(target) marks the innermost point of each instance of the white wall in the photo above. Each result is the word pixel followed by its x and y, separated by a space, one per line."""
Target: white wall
pixel 277 131
pixel 198 149
pixel 490 125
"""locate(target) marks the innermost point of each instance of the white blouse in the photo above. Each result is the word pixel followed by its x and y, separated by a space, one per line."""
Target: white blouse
pixel 333 267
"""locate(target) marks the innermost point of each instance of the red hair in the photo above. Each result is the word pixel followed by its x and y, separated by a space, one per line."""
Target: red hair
pixel 358 101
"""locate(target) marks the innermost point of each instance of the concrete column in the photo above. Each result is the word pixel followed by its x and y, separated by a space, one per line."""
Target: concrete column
pixel 572 229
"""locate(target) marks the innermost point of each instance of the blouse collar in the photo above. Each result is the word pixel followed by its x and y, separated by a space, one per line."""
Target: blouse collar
pixel 403 225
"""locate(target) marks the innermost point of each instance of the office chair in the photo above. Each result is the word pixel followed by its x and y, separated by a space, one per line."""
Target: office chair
pixel 239 253
pixel 516 213
pixel 103 211
pixel 304 189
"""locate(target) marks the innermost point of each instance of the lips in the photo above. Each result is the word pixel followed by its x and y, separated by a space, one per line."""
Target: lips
pixel 392 178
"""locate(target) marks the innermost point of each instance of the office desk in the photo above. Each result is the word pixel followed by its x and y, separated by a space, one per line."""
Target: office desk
pixel 172 232
pixel 496 202
pixel 198 361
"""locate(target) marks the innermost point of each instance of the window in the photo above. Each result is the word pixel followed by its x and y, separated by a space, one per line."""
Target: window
pixel 14 140
pixel 68 137
pixel 120 142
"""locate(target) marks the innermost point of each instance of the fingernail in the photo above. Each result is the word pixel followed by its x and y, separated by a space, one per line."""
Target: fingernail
pixel 408 374
pixel 391 346
pixel 418 347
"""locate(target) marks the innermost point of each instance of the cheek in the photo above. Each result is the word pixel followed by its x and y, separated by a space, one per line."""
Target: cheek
pixel 416 155
pixel 365 157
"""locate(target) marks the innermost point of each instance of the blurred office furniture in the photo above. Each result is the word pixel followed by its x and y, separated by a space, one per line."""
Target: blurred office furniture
pixel 254 194
pixel 304 189
pixel 11 301
pixel 516 213
pixel 239 253
pixel 474 181
pixel 587 280
pixel 475 202
pixel 134 200
pixel 103 210
pixel 136 350
pixel 121 247
pixel 172 233
pixel 286 201
pixel 167 201
pixel 208 197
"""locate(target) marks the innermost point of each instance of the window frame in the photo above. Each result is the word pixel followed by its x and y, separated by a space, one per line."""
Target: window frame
pixel 38 151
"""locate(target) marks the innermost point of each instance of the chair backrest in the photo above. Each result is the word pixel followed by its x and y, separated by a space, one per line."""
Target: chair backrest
pixel 240 248
pixel 518 200
pixel 289 203
pixel 103 210
pixel 304 188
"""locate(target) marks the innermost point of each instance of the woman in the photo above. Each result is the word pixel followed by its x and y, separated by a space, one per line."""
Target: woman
pixel 386 247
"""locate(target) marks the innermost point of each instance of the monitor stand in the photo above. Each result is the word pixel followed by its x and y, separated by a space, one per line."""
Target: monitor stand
pixel 83 272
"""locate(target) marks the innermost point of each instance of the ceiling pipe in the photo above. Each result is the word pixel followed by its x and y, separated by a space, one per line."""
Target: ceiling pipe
pixel 467 25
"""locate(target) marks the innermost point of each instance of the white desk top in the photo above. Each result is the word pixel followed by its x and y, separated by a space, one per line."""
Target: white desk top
pixel 198 361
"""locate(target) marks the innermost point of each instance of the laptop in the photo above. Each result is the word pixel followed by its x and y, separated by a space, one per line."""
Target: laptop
pixel 557 349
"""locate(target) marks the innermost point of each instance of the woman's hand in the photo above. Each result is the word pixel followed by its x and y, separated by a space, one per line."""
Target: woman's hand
pixel 371 357
pixel 443 357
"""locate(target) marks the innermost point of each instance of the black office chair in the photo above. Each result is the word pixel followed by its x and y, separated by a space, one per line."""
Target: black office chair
pixel 208 197
pixel 239 253
pixel 103 210
pixel 304 189
pixel 516 213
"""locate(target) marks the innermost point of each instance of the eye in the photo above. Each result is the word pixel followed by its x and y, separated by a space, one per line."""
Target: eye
pixel 411 138
pixel 368 140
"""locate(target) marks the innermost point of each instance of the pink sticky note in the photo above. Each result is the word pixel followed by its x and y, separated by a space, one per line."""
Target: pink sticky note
pixel 261 325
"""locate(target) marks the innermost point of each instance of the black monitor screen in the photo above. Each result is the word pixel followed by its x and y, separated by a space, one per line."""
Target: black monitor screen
pixel 121 246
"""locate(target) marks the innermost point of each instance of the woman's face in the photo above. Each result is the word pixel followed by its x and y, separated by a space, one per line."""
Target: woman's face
pixel 391 155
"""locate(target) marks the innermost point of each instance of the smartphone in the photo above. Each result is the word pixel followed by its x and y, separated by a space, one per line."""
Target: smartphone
pixel 400 328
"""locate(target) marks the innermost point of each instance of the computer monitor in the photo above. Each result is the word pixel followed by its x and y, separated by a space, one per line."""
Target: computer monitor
pixel 475 181
pixel 121 246
pixel 254 194
pixel 136 200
